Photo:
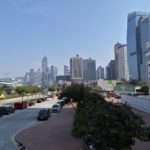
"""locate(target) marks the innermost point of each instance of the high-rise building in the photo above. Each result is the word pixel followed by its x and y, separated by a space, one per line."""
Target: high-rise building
pixel 38 77
pixel 89 69
pixel 31 76
pixel 76 69
pixel 26 77
pixel 145 37
pixel 136 38
pixel 100 72
pixel 53 71
pixel 110 70
pixel 66 70
pixel 121 62
pixel 44 82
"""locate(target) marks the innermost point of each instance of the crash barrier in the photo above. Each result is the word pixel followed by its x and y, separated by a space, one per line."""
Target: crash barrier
pixel 139 103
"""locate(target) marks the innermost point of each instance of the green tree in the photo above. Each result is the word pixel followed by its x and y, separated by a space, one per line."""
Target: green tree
pixel 21 91
pixel 106 125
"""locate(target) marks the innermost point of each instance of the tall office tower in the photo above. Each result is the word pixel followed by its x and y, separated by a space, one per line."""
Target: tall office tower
pixel 76 69
pixel 148 63
pixel 89 69
pixel 145 37
pixel 44 81
pixel 38 77
pixel 100 72
pixel 31 76
pixel 110 70
pixel 53 71
pixel 135 43
pixel 66 70
pixel 27 77
pixel 121 62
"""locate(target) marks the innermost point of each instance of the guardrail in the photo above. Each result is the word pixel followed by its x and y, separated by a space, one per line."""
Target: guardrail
pixel 136 102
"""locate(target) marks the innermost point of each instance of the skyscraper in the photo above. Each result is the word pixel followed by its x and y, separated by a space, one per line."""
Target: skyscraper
pixel 135 42
pixel 145 37
pixel 121 62
pixel 76 68
pixel 31 76
pixel 110 70
pixel 100 72
pixel 89 69
pixel 66 70
pixel 53 71
pixel 44 82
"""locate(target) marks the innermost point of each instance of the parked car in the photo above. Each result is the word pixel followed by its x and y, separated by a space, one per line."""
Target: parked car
pixel 56 108
pixel 44 114
pixel 31 103
pixel 7 109
pixel 1 112
pixel 61 103
pixel 39 100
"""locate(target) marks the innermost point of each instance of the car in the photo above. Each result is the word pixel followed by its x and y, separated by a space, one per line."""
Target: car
pixel 1 112
pixel 61 102
pixel 39 100
pixel 44 114
pixel 56 108
pixel 31 103
pixel 7 109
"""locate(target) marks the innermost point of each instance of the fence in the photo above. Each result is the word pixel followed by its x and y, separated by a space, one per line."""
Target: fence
pixel 136 102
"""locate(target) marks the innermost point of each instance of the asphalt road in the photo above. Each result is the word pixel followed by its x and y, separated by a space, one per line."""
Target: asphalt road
pixel 13 123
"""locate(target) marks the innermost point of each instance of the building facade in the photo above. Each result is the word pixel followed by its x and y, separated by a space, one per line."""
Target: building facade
pixel 53 71
pixel 136 43
pixel 76 69
pixel 145 37
pixel 110 70
pixel 66 70
pixel 44 81
pixel 89 69
pixel 121 62
pixel 100 73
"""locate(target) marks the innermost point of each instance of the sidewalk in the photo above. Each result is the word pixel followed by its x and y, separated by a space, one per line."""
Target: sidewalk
pixel 54 134
pixel 142 145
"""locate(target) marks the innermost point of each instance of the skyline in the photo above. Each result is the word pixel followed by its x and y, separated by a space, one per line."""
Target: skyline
pixel 31 29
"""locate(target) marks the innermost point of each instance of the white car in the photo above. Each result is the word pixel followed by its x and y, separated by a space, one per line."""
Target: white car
pixel 56 108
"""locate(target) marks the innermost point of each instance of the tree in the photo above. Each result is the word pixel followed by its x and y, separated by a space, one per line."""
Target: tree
pixel 116 127
pixel 106 125
pixel 144 87
pixel 21 91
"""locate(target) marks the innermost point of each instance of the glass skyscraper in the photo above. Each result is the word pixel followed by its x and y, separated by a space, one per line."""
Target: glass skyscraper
pixel 89 69
pixel 134 44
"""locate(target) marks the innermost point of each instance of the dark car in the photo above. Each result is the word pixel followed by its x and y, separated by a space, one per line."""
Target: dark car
pixel 44 114
pixel 1 112
pixel 61 102
pixel 39 100
pixel 31 103
pixel 7 109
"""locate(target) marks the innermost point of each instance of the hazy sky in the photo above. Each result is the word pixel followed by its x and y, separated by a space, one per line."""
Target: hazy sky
pixel 60 29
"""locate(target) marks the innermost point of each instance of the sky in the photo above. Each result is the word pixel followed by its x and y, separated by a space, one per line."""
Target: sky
pixel 60 29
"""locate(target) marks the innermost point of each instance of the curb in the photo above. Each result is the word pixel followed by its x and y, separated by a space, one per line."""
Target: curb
pixel 16 142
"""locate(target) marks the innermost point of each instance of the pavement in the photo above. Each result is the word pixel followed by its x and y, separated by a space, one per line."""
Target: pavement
pixel 54 134
pixel 139 145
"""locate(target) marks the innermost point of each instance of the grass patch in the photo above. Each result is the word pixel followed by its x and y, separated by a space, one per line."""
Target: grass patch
pixel 109 81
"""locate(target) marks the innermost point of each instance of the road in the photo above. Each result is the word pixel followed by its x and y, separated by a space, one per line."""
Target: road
pixel 13 123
